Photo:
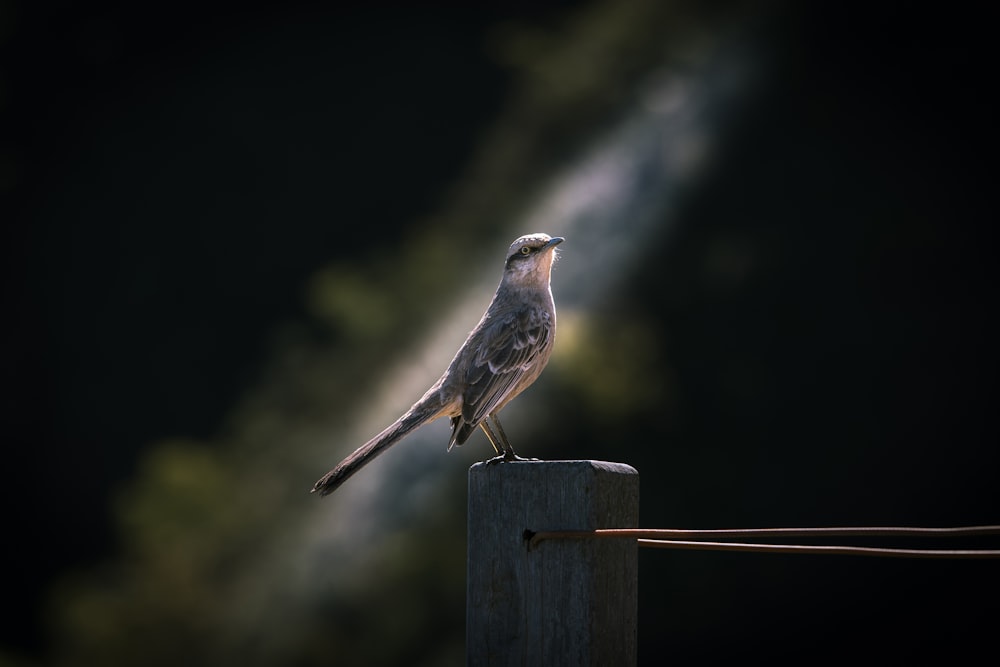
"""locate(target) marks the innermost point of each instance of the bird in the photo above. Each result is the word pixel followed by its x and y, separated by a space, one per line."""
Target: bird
pixel 501 357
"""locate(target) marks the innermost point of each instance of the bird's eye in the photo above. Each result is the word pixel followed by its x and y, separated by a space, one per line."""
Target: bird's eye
pixel 525 250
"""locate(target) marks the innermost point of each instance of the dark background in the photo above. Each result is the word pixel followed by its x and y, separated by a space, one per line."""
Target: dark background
pixel 161 214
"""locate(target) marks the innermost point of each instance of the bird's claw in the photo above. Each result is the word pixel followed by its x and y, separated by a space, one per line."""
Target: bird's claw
pixel 507 457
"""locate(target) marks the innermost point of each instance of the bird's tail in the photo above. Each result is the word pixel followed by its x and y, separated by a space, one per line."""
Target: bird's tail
pixel 417 416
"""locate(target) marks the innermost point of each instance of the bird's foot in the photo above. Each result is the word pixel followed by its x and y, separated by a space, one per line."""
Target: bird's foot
pixel 507 457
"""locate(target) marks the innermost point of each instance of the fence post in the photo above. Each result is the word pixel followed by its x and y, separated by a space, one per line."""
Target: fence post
pixel 566 602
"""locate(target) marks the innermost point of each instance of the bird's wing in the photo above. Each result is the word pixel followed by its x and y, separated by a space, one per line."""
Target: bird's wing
pixel 508 348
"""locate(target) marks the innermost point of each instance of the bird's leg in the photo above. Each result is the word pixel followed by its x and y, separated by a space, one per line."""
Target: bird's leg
pixel 497 430
pixel 491 436
pixel 495 441
pixel 508 451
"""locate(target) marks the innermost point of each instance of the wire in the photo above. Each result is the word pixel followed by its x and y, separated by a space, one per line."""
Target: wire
pixel 821 549
pixel 704 539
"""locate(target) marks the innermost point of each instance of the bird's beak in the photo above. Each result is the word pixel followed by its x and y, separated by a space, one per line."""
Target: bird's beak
pixel 553 242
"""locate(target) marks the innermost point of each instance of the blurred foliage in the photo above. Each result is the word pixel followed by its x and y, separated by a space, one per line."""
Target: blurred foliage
pixel 348 305
pixel 613 366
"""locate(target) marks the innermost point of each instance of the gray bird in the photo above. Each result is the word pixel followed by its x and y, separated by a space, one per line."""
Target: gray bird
pixel 501 357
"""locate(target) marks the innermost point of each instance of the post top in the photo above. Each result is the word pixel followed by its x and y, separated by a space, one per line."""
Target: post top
pixel 575 465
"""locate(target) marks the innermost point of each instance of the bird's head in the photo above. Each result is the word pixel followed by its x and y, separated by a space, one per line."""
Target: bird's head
pixel 529 260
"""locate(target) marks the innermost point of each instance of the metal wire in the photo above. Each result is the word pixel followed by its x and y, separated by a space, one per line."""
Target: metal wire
pixel 705 539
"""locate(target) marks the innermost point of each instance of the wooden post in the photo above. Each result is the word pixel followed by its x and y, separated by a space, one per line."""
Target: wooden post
pixel 565 602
